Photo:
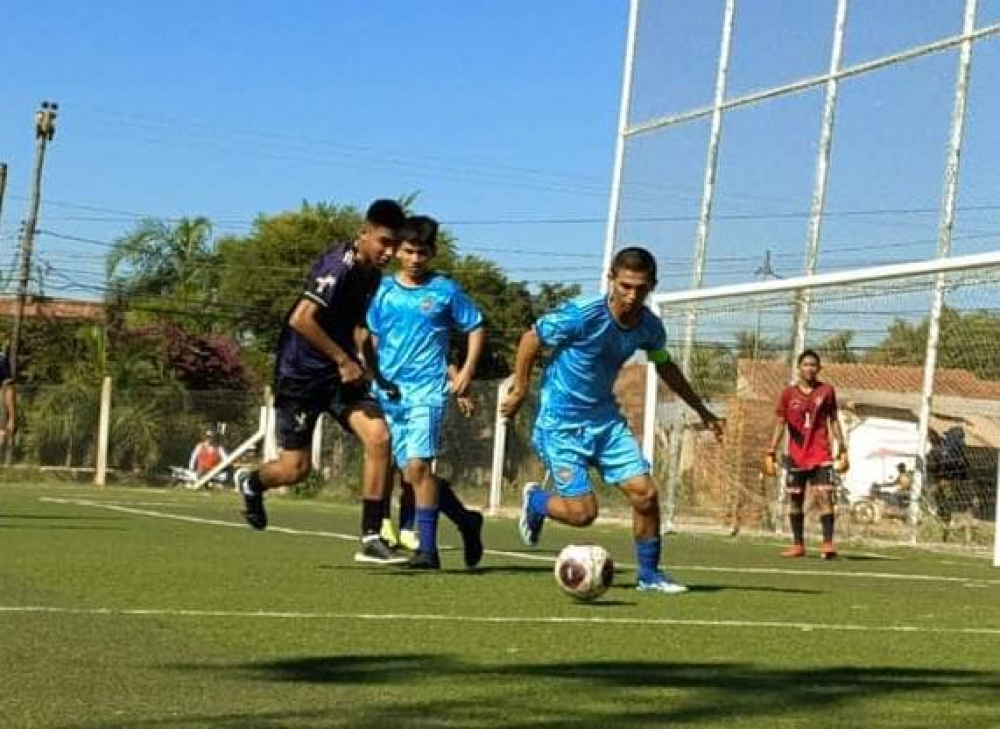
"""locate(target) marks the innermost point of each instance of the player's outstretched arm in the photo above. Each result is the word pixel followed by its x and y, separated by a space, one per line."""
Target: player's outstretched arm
pixel 674 378
pixel 461 382
pixel 528 351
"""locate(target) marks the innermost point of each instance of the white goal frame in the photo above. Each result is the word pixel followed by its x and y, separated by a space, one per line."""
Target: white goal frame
pixel 938 267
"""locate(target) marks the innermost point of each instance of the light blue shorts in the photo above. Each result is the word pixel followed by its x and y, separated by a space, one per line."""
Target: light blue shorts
pixel 415 431
pixel 568 452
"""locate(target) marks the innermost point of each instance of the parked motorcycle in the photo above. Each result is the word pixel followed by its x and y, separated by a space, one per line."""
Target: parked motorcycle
pixel 884 500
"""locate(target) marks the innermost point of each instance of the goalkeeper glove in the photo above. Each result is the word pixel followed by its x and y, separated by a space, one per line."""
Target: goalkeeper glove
pixel 770 465
pixel 841 464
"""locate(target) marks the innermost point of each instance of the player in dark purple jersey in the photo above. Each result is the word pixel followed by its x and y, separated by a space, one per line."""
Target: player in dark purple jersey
pixel 320 368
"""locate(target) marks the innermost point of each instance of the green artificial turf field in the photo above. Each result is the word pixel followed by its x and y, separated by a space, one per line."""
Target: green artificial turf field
pixel 140 608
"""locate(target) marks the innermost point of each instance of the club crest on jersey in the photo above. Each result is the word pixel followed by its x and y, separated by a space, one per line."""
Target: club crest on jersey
pixel 427 304
pixel 564 475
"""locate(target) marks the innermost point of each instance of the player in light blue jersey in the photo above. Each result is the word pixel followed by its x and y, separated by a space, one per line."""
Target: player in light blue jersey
pixel 579 424
pixel 411 320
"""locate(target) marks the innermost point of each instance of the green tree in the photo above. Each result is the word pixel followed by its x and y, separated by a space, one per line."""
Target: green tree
pixel 837 348
pixel 261 277
pixel 147 403
pixel 158 258
pixel 751 344
pixel 551 295
pixel 166 271
pixel 968 340
pixel 506 307
pixel 713 370
pixel 261 274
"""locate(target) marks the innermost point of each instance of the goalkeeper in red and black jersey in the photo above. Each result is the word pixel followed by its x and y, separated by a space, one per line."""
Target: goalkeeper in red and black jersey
pixel 809 410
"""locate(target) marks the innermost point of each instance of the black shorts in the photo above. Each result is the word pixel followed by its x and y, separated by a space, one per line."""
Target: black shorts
pixel 296 413
pixel 820 477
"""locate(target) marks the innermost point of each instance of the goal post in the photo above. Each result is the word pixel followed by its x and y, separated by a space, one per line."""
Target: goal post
pixel 925 402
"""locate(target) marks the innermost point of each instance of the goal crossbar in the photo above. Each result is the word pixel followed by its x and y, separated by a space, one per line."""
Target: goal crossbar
pixel 834 278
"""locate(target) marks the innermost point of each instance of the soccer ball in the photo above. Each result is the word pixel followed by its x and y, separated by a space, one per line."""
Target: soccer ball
pixel 584 571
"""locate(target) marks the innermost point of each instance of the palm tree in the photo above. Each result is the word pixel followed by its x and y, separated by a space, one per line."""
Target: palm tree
pixel 163 259
pixel 147 406
pixel 167 271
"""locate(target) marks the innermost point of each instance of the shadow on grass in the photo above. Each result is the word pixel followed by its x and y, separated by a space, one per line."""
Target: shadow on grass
pixel 62 527
pixel 398 570
pixel 442 690
pixel 702 587
pixel 865 558
pixel 602 603
pixel 58 517
pixel 514 569
pixel 49 522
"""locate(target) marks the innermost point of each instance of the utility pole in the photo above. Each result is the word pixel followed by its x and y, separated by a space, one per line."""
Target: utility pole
pixel 45 130
pixel 764 272
pixel 3 187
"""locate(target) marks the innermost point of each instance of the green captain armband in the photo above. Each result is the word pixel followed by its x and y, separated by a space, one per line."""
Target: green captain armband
pixel 658 356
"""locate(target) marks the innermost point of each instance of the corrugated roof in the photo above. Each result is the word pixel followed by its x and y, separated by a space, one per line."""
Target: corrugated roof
pixel 768 376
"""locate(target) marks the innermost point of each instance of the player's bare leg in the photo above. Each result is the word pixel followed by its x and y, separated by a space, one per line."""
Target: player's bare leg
pixel 579 511
pixel 290 467
pixel 539 503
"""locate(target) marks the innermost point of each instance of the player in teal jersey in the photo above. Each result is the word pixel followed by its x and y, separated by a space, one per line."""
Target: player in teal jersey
pixel 411 320
pixel 579 424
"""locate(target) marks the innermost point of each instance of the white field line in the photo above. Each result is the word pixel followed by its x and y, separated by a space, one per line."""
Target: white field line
pixel 975 582
pixel 496 619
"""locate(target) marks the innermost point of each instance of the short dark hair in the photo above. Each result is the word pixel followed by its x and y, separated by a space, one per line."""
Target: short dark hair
pixel 634 259
pixel 809 353
pixel 421 230
pixel 385 213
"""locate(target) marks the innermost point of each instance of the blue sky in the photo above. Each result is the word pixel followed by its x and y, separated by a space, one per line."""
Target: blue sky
pixel 501 113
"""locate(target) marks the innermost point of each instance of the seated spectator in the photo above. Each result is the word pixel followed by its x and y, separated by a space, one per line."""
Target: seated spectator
pixel 904 479
pixel 207 454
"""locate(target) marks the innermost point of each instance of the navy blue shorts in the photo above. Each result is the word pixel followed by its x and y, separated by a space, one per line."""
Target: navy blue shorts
pixel 296 413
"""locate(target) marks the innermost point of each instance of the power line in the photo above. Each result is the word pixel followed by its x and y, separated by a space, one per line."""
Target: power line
pixel 125 215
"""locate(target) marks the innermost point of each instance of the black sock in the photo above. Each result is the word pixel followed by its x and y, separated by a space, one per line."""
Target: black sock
pixel 798 524
pixel 256 485
pixel 826 520
pixel 407 506
pixel 450 506
pixel 371 516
